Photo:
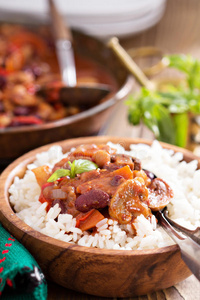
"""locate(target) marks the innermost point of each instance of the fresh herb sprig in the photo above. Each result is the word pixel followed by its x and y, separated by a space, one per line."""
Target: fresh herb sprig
pixel 165 113
pixel 76 167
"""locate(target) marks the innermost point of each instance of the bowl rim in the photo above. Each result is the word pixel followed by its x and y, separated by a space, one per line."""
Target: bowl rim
pixel 7 215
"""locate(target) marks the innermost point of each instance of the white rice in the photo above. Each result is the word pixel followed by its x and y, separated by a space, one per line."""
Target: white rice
pixel 184 208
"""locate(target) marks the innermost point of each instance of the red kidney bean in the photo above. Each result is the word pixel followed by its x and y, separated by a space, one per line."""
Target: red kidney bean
pixel 92 199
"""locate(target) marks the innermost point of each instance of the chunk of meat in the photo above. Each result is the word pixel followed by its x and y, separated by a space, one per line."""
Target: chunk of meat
pixel 129 201
pixel 81 179
pixel 137 164
pixel 105 181
pixel 69 202
pixel 160 194
pixel 122 160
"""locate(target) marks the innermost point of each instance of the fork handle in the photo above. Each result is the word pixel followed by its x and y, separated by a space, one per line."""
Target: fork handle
pixel 190 250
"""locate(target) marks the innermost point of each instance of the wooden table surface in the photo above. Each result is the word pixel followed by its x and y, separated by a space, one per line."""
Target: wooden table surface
pixel 178 31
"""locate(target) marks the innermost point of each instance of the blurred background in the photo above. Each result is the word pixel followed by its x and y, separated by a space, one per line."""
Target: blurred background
pixel 167 26
pixel 102 19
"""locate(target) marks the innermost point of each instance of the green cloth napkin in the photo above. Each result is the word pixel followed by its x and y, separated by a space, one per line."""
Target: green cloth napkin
pixel 20 276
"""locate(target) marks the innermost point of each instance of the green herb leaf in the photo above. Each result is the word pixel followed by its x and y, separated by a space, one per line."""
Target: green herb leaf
pixel 72 169
pixel 58 173
pixel 76 167
pixel 82 165
pixel 165 112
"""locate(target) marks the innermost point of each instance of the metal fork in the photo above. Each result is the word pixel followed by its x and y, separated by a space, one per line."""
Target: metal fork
pixel 187 240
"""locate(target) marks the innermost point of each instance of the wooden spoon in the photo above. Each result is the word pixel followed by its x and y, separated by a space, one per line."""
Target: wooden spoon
pixel 71 94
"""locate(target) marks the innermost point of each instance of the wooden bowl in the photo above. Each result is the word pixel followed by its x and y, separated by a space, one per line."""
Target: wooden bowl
pixel 86 123
pixel 100 272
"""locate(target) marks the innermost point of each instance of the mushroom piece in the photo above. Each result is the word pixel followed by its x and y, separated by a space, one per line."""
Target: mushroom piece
pixel 129 201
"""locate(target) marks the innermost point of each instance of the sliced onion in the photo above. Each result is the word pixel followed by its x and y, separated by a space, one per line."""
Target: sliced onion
pixel 58 194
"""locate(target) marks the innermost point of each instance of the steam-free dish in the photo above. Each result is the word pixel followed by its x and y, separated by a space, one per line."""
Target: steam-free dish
pixel 104 196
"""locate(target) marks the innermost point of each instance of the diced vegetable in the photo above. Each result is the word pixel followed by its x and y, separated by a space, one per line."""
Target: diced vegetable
pixel 42 174
pixel 124 172
pixel 58 194
pixel 88 220
pixel 45 194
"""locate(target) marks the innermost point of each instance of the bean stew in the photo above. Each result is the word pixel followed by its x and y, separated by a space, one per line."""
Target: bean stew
pixel 94 182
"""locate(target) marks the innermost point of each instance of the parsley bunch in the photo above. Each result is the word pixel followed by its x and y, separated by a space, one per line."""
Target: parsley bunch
pixel 166 113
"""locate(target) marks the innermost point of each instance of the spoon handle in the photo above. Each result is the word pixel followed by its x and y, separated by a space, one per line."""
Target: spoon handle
pixel 193 234
pixel 190 250
pixel 64 49
pixel 129 63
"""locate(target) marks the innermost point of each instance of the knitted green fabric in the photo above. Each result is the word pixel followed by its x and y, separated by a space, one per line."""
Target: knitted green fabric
pixel 20 275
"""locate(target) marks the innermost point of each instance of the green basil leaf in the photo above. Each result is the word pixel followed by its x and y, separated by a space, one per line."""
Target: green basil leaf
pixel 58 173
pixel 83 165
pixel 72 169
pixel 76 167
